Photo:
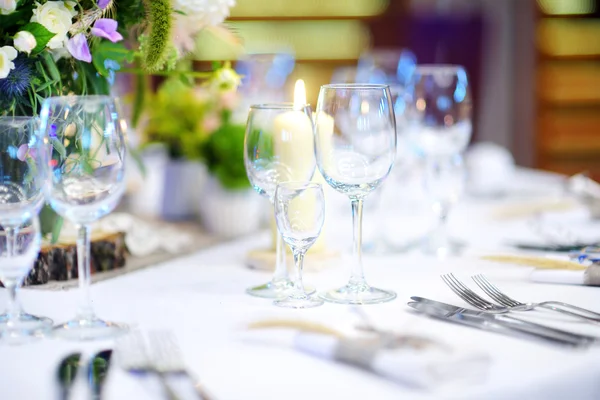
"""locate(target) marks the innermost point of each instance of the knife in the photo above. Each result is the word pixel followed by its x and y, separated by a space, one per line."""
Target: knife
pixel 97 372
pixel 464 316
pixel 66 374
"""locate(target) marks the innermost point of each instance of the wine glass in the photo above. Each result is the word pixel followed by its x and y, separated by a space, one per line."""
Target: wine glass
pixel 299 213
pixel 86 175
pixel 355 148
pixel 278 147
pixel 17 254
pixel 438 119
pixel 22 180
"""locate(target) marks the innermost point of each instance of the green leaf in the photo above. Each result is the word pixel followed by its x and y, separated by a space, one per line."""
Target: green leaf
pixel 59 147
pixel 106 50
pixel 51 67
pixel 41 34
pixel 58 223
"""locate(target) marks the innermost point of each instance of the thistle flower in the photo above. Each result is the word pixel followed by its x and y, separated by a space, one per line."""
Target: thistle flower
pixel 17 82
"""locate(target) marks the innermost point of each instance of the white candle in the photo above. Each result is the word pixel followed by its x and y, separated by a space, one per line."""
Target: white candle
pixel 294 145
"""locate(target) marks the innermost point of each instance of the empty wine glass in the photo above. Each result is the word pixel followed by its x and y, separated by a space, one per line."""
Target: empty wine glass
pixel 16 260
pixel 355 148
pixel 445 180
pixel 86 181
pixel 299 213
pixel 278 147
pixel 438 123
pixel 22 180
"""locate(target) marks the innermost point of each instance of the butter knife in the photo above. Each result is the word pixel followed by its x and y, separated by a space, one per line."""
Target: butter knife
pixel 97 372
pixel 66 374
pixel 510 328
pixel 514 321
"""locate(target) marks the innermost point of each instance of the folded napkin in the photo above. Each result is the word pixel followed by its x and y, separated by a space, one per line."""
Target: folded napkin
pixel 407 360
pixel 590 276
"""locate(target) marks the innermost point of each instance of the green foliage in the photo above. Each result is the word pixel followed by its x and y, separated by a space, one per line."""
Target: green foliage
pixel 224 154
pixel 106 50
pixel 41 34
pixel 156 49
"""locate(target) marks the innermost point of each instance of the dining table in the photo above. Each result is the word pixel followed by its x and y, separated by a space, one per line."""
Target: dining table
pixel 201 298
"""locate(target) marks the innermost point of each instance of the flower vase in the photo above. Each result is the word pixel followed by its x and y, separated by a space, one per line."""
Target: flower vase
pixel 229 213
pixel 170 188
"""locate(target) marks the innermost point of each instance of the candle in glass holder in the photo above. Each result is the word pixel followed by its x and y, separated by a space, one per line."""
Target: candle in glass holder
pixel 294 146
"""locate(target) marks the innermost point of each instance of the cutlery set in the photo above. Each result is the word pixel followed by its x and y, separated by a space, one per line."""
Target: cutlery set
pixel 94 371
pixel 154 354
pixel 493 317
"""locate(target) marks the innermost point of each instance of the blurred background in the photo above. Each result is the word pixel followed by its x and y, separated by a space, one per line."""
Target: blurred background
pixel 533 65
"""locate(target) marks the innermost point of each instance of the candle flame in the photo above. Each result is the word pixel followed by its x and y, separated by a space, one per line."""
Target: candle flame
pixel 299 94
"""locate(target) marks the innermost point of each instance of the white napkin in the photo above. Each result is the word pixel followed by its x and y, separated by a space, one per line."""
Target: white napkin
pixel 589 276
pixel 427 366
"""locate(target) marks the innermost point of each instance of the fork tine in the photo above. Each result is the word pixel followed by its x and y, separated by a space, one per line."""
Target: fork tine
pixel 490 290
pixel 512 301
pixel 460 292
pixel 471 293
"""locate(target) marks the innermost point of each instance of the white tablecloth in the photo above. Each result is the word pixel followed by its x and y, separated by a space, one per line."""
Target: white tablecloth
pixel 201 298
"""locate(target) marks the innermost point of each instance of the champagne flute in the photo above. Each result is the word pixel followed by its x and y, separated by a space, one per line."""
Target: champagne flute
pixel 355 148
pixel 438 120
pixel 278 147
pixel 299 213
pixel 86 176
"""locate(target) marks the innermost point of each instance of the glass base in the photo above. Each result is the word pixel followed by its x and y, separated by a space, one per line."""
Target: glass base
pixel 89 329
pixel 303 302
pixel 25 329
pixel 276 290
pixel 358 294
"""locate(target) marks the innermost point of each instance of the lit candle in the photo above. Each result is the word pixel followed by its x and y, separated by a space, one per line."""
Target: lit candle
pixel 294 145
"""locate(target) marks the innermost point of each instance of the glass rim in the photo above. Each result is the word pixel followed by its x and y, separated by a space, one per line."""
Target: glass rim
pixel 54 99
pixel 428 68
pixel 356 86
pixel 19 117
pixel 279 106
pixel 306 184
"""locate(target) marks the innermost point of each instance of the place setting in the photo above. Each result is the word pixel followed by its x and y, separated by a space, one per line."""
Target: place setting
pixel 200 208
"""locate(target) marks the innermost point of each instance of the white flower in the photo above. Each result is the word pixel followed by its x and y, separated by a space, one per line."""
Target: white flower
pixel 198 15
pixel 57 18
pixel 7 6
pixel 204 12
pixel 25 42
pixel 7 54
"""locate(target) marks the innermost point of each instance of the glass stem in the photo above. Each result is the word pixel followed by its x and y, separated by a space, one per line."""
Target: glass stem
pixel 11 240
pixel 441 232
pixel 356 275
pixel 83 268
pixel 281 273
pixel 14 309
pixel 299 292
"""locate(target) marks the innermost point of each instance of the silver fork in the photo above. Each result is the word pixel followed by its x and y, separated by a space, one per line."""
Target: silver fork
pixel 168 360
pixel 133 356
pixel 479 302
pixel 492 290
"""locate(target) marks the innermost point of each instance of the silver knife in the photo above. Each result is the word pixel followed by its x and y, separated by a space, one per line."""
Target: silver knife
pixel 478 319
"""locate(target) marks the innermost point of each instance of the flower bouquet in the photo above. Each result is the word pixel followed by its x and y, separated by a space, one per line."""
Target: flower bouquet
pixel 54 48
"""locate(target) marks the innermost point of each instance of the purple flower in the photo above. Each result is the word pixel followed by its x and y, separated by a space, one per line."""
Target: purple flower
pixel 79 49
pixel 22 152
pixel 52 132
pixel 107 28
pixel 103 3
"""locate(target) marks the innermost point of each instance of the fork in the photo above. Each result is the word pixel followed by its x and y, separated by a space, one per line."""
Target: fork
pixel 133 356
pixel 168 359
pixel 495 293
pixel 479 302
